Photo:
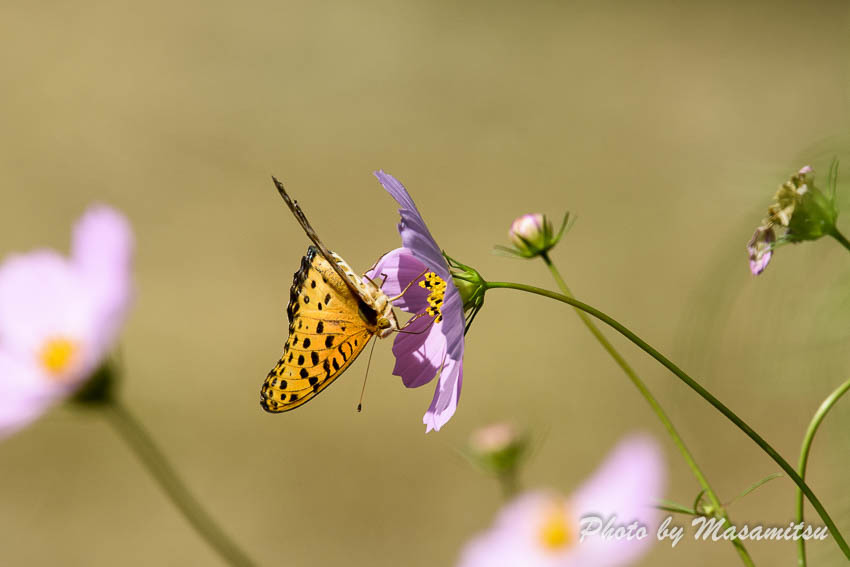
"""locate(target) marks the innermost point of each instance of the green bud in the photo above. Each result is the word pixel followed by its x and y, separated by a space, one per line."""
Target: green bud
pixel 498 449
pixel 804 210
pixel 800 212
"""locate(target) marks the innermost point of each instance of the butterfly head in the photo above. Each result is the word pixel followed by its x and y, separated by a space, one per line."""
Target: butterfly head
pixel 386 322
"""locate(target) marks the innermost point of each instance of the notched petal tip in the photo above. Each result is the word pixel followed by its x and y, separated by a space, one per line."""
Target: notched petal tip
pixel 446 396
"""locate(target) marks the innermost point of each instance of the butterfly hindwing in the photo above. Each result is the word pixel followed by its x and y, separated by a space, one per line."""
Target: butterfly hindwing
pixel 328 327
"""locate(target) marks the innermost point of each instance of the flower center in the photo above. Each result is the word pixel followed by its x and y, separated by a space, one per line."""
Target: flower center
pixel 555 531
pixel 57 354
pixel 437 288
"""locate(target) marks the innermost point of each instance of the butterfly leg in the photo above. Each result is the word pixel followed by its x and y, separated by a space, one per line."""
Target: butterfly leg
pixel 407 287
pixel 411 320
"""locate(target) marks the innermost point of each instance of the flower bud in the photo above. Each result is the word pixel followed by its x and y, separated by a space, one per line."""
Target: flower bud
pixel 802 208
pixel 800 212
pixel 533 235
pixel 498 448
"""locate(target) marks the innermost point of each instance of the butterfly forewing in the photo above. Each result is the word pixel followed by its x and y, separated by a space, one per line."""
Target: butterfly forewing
pixel 328 327
pixel 335 263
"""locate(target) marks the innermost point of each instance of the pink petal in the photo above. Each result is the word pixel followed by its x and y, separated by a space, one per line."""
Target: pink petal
pixel 446 396
pixel 42 296
pixel 24 394
pixel 514 539
pixel 419 350
pixel 401 268
pixel 102 249
pixel 758 266
pixel 628 484
pixel 102 242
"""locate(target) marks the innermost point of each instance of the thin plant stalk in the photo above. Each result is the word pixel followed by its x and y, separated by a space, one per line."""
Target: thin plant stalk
pixel 133 433
pixel 656 408
pixel 694 385
pixel 804 457
pixel 840 238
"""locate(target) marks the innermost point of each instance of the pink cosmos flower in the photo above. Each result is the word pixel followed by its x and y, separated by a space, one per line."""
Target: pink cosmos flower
pixel 544 529
pixel 59 317
pixel 432 344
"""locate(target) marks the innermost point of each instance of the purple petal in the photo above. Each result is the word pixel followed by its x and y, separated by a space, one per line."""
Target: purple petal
pixel 757 266
pixel 453 321
pixel 759 249
pixel 415 235
pixel 446 396
pixel 401 268
pixel 419 351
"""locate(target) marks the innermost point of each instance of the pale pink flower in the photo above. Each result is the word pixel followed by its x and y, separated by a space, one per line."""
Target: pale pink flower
pixel 59 317
pixel 543 528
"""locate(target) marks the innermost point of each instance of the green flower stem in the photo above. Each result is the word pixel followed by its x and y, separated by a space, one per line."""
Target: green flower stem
pixel 694 385
pixel 804 457
pixel 139 440
pixel 836 234
pixel 509 483
pixel 653 403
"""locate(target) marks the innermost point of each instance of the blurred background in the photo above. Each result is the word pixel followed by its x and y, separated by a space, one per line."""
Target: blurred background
pixel 664 127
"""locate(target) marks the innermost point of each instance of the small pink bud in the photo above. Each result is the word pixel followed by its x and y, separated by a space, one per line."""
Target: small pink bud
pixel 531 234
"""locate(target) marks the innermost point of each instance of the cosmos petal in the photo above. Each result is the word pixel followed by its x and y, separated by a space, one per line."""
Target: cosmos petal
pixel 415 235
pixel 401 268
pixel 446 396
pixel 419 352
pixel 416 238
pixel 102 249
pixel 24 396
pixel 42 296
pixel 627 484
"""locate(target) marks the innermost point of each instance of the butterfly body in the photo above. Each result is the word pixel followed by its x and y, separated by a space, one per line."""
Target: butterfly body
pixel 333 314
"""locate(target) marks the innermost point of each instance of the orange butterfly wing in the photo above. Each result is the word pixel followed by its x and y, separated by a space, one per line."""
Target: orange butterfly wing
pixel 328 327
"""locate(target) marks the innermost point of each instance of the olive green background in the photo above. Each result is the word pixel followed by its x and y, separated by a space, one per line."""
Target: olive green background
pixel 664 127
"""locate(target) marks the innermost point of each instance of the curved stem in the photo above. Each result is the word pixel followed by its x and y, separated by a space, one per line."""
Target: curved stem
pixel 840 238
pixel 139 440
pixel 656 408
pixel 804 457
pixel 694 385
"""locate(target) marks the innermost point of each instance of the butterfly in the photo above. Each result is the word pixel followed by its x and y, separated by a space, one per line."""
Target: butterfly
pixel 333 314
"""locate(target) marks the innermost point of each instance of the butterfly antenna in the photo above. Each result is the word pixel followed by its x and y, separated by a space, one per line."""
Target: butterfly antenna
pixel 312 235
pixel 368 364
pixel 299 215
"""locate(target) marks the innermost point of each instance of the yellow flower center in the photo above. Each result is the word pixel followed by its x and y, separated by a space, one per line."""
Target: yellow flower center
pixel 57 355
pixel 555 531
pixel 437 287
